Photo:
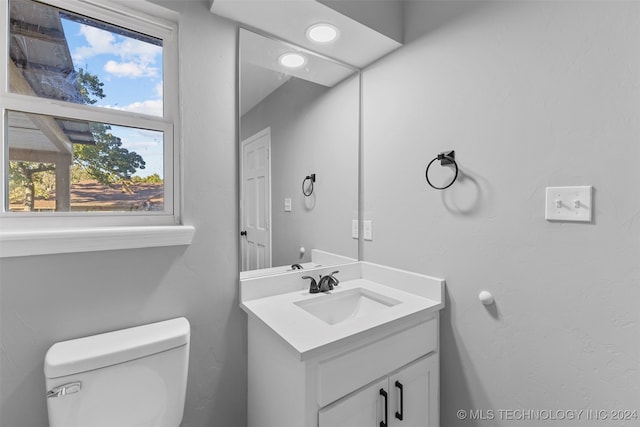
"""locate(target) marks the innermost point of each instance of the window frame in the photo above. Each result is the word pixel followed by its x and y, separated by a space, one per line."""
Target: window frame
pixel 14 225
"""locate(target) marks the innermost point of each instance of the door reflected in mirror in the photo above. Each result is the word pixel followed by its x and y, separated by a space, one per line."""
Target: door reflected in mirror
pixel 299 138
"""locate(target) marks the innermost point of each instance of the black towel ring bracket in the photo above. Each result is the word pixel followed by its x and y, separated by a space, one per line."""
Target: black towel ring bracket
pixel 446 158
pixel 309 189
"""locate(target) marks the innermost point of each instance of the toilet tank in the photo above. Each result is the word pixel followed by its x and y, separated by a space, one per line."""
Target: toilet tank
pixel 134 377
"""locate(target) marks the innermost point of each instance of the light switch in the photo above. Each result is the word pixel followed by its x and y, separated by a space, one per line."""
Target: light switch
pixel 368 230
pixel 287 205
pixel 569 203
pixel 354 228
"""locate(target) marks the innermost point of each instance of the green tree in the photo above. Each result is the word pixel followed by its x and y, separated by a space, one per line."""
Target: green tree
pixel 29 176
pixel 149 179
pixel 106 160
pixel 89 85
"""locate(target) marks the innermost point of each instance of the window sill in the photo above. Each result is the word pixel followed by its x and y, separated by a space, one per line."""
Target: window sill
pixel 45 242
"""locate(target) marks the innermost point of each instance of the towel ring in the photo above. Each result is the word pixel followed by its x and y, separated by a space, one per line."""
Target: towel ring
pixel 446 158
pixel 311 178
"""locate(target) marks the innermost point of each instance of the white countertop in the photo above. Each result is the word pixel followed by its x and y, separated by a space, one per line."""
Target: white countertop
pixel 307 335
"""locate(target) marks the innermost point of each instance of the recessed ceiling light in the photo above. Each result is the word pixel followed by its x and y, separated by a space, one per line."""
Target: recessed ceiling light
pixel 322 33
pixel 292 60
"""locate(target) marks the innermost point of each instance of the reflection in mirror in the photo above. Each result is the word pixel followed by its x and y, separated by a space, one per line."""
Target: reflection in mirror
pixel 299 138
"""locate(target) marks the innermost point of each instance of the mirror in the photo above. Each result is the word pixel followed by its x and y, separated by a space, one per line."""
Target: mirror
pixel 299 142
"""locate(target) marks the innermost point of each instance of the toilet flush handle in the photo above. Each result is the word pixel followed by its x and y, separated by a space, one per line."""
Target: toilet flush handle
pixel 63 390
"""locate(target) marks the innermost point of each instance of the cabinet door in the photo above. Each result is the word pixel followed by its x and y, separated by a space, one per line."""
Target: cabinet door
pixel 414 398
pixel 362 409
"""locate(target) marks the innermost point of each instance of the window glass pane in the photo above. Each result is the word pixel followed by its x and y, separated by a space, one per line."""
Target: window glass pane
pixel 58 164
pixel 61 55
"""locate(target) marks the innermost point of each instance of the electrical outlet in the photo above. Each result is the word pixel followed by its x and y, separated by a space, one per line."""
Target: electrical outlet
pixel 287 205
pixel 354 228
pixel 368 230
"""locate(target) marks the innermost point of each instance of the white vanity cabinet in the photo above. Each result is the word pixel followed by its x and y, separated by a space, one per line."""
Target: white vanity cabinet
pixel 341 387
pixel 407 398
pixel 305 370
pixel 363 408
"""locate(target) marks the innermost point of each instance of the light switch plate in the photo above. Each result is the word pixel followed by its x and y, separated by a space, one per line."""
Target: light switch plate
pixel 368 230
pixel 569 203
pixel 354 228
pixel 287 205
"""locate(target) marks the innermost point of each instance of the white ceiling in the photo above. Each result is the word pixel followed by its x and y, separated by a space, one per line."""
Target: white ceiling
pixel 358 44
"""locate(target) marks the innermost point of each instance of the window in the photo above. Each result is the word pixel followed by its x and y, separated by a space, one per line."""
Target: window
pixel 99 171
pixel 89 118
pixel 89 115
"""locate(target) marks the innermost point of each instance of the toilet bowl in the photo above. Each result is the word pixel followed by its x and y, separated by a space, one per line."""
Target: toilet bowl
pixel 134 377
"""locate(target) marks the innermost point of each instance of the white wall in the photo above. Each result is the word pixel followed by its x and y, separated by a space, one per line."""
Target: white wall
pixel 314 129
pixel 52 298
pixel 529 94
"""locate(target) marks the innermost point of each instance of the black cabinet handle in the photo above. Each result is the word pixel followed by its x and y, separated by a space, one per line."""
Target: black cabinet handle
pixel 386 408
pixel 243 233
pixel 399 415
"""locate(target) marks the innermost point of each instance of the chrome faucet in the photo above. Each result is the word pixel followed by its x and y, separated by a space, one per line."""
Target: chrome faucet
pixel 328 282
pixel 325 284
pixel 313 285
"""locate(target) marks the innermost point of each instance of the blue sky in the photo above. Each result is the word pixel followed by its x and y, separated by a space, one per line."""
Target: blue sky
pixel 131 71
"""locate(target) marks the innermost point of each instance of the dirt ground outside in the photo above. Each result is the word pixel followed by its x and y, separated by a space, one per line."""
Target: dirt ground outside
pixel 88 196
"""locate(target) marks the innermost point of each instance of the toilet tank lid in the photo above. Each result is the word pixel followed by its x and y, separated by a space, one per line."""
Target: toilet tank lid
pixel 98 351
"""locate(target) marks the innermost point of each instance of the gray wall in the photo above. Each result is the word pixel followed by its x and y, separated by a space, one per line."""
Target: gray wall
pixel 314 129
pixel 529 94
pixel 46 299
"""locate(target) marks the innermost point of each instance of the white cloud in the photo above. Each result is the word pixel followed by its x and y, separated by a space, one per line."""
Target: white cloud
pixel 149 134
pixel 159 90
pixel 129 69
pixel 152 107
pixel 141 146
pixel 100 42
pixel 136 58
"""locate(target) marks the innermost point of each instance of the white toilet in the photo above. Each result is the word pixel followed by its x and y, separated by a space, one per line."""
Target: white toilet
pixel 134 377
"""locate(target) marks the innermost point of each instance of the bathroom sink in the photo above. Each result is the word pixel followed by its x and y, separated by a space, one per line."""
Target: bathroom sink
pixel 333 308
